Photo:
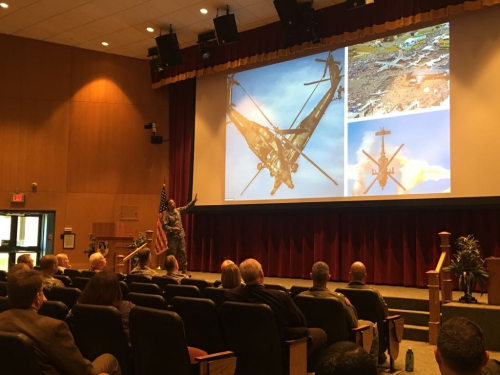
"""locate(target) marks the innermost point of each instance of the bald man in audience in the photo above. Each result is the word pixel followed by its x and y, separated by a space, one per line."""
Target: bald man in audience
pixel 358 278
pixel 55 347
pixel 290 321
pixel 320 276
pixel 172 268
pixel 97 262
pixel 48 268
pixel 62 262
pixel 25 258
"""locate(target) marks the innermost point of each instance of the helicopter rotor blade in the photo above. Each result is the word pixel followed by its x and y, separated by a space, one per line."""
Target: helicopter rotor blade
pixel 393 156
pixel 397 182
pixel 254 177
pixel 312 83
pixel 293 131
pixel 369 187
pixel 372 159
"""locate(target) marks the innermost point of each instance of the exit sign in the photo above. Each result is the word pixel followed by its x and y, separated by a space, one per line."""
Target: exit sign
pixel 17 198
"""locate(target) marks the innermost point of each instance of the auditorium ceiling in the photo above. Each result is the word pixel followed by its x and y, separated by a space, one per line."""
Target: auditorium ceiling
pixel 123 23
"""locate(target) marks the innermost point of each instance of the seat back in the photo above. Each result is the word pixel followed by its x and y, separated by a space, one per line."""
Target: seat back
pixel 168 355
pixel 99 330
pixel 327 314
pixel 201 323
pixel 3 275
pixel 215 294
pixel 146 288
pixel 163 281
pixel 121 276
pixel 295 290
pixel 3 288
pixel 18 354
pixel 250 332
pixel 172 291
pixel 4 304
pixel 217 283
pixel 152 301
pixel 68 296
pixel 65 279
pixel 88 273
pixel 201 284
pixel 72 273
pixel 276 287
pixel 124 288
pixel 137 279
pixel 80 282
pixel 54 309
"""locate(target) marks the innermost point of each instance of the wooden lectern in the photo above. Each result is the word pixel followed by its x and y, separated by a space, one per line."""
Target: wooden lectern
pixel 116 238
pixel 493 266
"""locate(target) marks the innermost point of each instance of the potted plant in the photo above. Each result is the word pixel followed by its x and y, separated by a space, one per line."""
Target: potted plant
pixel 468 267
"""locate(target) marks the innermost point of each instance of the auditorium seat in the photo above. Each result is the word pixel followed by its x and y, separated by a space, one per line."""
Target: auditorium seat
pixel 54 309
pixel 4 304
pixel 3 275
pixel 99 330
pixel 250 332
pixel 276 287
pixel 295 290
pixel 172 291
pixel 124 288
pixel 201 323
pixel 215 294
pixel 121 276
pixel 137 279
pixel 146 288
pixel 217 283
pixel 88 273
pixel 169 356
pixel 368 307
pixel 18 354
pixel 153 301
pixel 3 288
pixel 163 281
pixel 68 296
pixel 65 279
pixel 72 273
pixel 328 314
pixel 80 282
pixel 201 284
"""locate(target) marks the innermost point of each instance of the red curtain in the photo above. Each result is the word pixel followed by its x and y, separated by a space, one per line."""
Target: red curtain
pixel 397 244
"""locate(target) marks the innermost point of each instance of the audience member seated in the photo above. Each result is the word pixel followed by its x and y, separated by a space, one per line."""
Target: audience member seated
pixel 172 268
pixel 97 262
pixel 54 345
pixel 346 358
pixel 320 276
pixel 290 321
pixel 62 262
pixel 230 277
pixel 104 289
pixel 224 264
pixel 461 349
pixel 25 258
pixel 48 268
pixel 17 267
pixel 358 278
pixel 144 256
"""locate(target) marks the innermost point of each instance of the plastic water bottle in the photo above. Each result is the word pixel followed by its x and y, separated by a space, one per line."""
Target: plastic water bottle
pixel 409 361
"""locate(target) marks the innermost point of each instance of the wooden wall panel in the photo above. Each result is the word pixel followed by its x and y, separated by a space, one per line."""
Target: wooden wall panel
pixel 10 112
pixel 10 68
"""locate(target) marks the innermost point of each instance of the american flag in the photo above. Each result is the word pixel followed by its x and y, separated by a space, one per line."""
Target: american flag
pixel 161 236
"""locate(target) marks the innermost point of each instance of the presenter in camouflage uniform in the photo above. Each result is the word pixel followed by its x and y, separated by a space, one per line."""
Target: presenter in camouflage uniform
pixel 172 225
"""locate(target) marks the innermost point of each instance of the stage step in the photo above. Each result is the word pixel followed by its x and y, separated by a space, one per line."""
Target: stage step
pixel 416 333
pixel 400 303
pixel 412 317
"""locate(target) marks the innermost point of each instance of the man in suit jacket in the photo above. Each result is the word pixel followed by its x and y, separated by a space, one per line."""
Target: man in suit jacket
pixel 54 345
pixel 290 321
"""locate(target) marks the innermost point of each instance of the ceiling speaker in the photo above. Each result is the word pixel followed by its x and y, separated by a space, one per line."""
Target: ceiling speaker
pixel 226 30
pixel 168 49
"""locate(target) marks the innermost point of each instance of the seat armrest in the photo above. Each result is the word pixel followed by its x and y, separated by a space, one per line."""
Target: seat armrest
pixel 211 357
pixel 363 336
pixel 360 328
pixel 392 317
pixel 291 343
pixel 297 356
pixel 223 363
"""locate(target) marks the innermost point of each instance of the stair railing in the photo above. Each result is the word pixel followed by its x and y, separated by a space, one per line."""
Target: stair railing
pixel 434 285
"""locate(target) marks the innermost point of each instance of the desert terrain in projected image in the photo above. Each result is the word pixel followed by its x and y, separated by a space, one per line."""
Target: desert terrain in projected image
pixel 285 130
pixel 414 159
pixel 400 73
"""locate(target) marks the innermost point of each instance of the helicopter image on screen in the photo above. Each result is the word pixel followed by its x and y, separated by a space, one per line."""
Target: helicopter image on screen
pixel 383 164
pixel 279 149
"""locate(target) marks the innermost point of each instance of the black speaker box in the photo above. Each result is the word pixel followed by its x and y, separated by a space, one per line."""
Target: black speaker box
pixel 288 12
pixel 168 49
pixel 226 30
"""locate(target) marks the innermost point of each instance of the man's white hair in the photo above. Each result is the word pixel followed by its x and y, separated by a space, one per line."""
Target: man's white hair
pixel 95 258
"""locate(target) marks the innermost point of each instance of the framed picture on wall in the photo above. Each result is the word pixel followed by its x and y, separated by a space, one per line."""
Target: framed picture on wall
pixel 69 241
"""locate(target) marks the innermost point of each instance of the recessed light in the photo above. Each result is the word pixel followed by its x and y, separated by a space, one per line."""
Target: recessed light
pixel 4 5
pixel 203 11
pixel 150 29
pixel 105 43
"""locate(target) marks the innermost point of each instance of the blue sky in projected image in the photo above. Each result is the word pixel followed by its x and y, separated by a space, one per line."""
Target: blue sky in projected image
pixel 425 154
pixel 280 93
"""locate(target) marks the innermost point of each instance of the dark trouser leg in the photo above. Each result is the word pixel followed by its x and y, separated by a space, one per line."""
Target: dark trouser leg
pixel 182 255
pixel 107 364
pixel 316 341
pixel 173 244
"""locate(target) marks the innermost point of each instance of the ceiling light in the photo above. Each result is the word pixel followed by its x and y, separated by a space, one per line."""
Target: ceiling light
pixel 203 11
pixel 4 5
pixel 150 29
pixel 105 43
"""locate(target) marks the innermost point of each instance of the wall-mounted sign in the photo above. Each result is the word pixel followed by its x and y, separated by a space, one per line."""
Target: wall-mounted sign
pixel 17 198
